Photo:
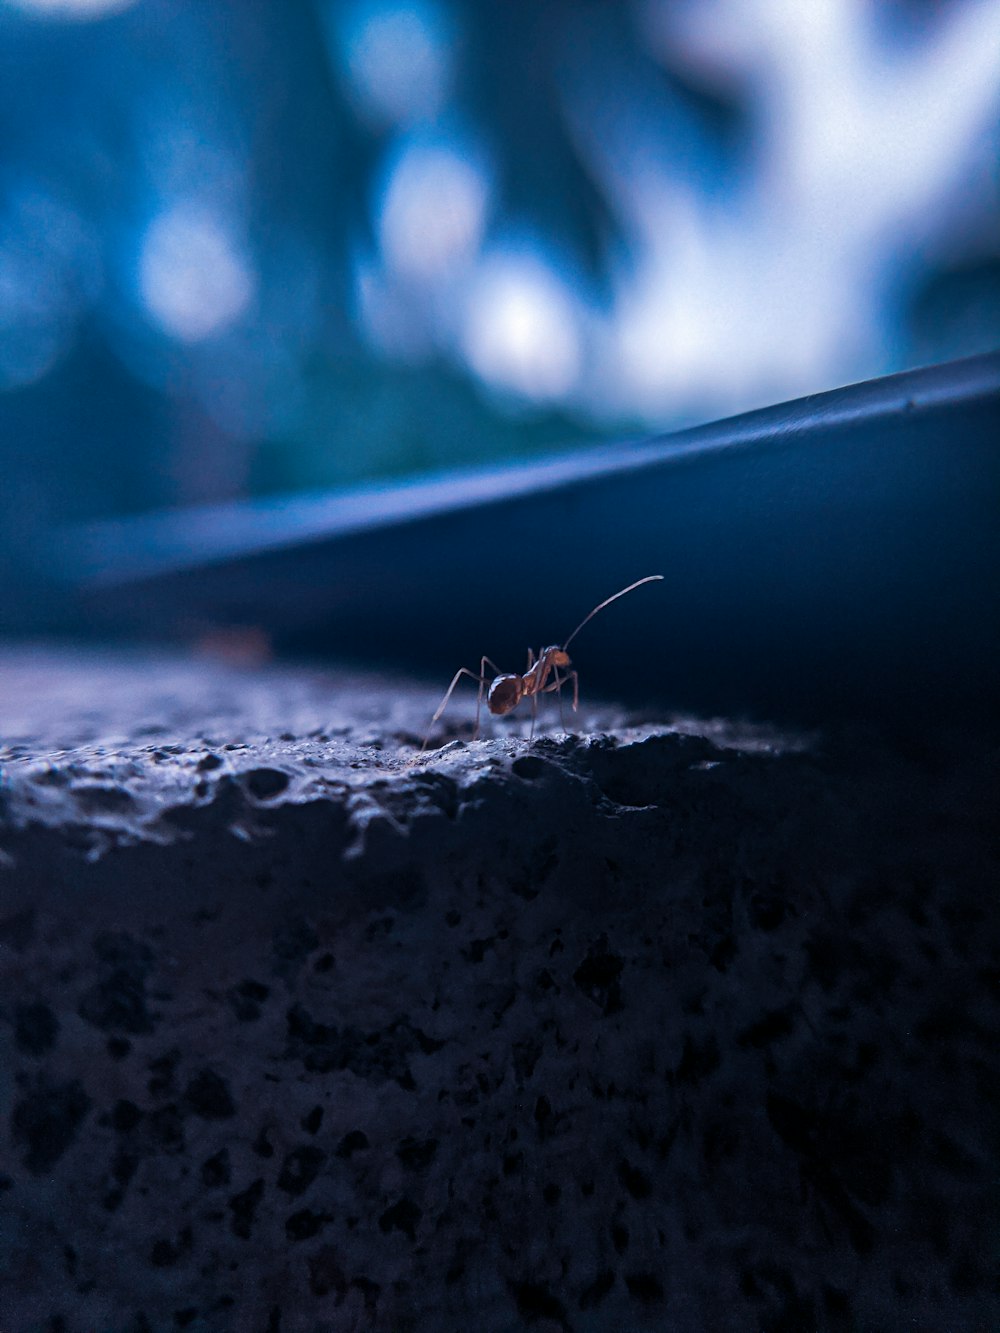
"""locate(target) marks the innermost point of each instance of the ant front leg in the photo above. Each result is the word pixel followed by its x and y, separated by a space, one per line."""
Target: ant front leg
pixel 557 685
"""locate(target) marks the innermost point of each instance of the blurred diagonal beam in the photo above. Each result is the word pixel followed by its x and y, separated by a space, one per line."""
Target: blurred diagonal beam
pixel 832 557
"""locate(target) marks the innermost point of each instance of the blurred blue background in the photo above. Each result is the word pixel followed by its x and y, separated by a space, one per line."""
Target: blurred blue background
pixel 294 244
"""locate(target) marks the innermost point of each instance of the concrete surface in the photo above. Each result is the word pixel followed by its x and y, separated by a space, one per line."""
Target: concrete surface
pixel 661 1025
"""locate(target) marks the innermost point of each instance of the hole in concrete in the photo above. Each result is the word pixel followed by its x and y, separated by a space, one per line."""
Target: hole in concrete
pixel 644 773
pixel 633 775
pixel 264 784
pixel 644 1287
pixel 102 798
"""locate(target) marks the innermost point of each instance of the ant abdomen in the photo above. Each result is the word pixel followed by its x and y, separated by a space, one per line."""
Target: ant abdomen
pixel 505 694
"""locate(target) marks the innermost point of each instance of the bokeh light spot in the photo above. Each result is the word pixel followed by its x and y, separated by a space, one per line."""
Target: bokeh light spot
pixel 70 9
pixel 193 281
pixel 433 211
pixel 397 59
pixel 49 272
pixel 521 332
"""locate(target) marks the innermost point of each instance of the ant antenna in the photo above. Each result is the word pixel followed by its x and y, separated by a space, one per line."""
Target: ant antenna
pixel 650 578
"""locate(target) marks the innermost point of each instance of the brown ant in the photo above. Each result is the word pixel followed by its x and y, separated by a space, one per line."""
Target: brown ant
pixel 507 690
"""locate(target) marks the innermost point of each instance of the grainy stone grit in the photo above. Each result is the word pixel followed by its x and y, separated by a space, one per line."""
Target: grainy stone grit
pixel 660 1025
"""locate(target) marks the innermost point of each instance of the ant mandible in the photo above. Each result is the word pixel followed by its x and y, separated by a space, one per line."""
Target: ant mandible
pixel 508 689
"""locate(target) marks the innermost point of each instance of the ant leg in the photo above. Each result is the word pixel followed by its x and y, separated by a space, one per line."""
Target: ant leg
pixel 534 702
pixel 558 683
pixel 462 671
pixel 484 662
pixel 556 687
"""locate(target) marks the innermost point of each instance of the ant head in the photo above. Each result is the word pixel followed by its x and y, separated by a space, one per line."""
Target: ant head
pixel 557 656
pixel 505 694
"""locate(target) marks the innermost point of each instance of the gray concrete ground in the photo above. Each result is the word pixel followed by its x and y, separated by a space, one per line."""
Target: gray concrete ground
pixel 662 1024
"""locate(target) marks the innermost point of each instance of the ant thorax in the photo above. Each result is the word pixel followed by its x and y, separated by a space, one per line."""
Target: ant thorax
pixel 505 694
pixel 537 674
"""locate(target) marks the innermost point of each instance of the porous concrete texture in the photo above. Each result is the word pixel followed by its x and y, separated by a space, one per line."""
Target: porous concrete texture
pixel 658 1025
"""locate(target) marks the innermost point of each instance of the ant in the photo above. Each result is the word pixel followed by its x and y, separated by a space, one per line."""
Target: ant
pixel 507 690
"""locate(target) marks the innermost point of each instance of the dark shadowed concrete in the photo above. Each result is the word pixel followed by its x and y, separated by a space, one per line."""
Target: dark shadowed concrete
pixel 661 1025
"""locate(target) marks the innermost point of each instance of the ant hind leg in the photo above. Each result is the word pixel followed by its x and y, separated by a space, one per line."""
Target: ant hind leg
pixel 484 662
pixel 462 671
